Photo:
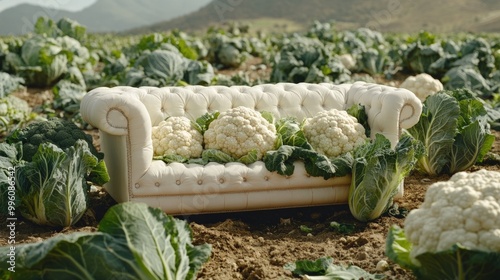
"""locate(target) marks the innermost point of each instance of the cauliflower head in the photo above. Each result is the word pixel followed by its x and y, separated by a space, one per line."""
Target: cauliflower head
pixel 348 61
pixel 465 209
pixel 334 132
pixel 240 130
pixel 177 136
pixel 422 85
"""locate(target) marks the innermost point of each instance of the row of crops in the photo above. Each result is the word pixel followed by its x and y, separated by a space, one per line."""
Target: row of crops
pixel 62 56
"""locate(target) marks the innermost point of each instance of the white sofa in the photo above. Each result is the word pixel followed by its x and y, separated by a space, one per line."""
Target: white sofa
pixel 125 116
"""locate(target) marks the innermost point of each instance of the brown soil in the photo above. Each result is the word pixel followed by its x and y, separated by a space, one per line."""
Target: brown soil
pixel 256 245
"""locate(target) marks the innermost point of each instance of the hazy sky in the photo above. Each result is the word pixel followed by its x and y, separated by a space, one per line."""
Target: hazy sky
pixel 69 5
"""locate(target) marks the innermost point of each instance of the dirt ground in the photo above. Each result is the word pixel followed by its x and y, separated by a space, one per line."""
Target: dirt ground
pixel 256 245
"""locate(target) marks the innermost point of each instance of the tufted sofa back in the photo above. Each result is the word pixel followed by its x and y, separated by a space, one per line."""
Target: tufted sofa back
pixel 282 100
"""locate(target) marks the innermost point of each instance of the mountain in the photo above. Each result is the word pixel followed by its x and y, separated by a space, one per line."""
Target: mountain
pixel 102 16
pixel 381 15
pixel 131 16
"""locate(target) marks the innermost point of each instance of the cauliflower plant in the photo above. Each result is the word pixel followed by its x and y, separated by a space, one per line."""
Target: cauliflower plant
pixel 348 61
pixel 240 130
pixel 334 132
pixel 13 113
pixel 422 85
pixel 465 209
pixel 177 136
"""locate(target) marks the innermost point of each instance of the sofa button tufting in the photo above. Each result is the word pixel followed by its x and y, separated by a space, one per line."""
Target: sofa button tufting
pixel 200 182
pixel 307 175
pixel 178 182
pixel 244 179
pixel 137 185
pixel 157 184
pixel 266 178
pixel 221 180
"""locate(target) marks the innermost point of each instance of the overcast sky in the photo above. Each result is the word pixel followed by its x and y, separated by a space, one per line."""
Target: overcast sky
pixel 69 5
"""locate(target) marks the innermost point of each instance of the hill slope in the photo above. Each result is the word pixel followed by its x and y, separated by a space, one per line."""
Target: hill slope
pixel 382 15
pixel 102 16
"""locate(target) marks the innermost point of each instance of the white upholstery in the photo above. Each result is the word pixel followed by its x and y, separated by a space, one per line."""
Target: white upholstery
pixel 125 116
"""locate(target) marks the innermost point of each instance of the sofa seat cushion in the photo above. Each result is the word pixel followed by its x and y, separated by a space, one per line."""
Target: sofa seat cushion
pixel 214 178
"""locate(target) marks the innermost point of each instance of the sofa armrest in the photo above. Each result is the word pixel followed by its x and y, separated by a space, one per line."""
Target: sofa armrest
pixel 389 109
pixel 124 123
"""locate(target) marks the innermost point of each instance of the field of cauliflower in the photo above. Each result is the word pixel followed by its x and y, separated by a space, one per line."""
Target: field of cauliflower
pixel 44 75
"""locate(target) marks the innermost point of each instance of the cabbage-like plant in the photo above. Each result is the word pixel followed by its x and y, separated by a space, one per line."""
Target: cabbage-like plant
pixel 303 59
pixel 9 84
pixel 41 61
pixel 377 173
pixel 52 187
pixel 455 131
pixel 63 27
pixel 133 241
pixel 14 112
pixel 466 76
pixel 420 57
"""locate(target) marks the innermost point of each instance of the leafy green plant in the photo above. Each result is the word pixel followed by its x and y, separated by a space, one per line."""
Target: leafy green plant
pixel 9 84
pixel 133 241
pixel 303 59
pixel 239 78
pixel 492 107
pixel 63 27
pixel 290 132
pixel 324 269
pixel 342 228
pixel 454 130
pixel 305 229
pixel 317 165
pixel 227 52
pixel 167 66
pixel 198 73
pixel 373 61
pixel 421 58
pixel 67 96
pixel 467 77
pixel 62 133
pixel 377 172
pixel 52 187
pixel 41 61
pixel 481 53
pixel 14 113
pixel 161 67
pixel 187 46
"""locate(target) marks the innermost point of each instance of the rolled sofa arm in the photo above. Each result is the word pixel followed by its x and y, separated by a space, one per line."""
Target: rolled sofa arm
pixel 389 109
pixel 117 112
